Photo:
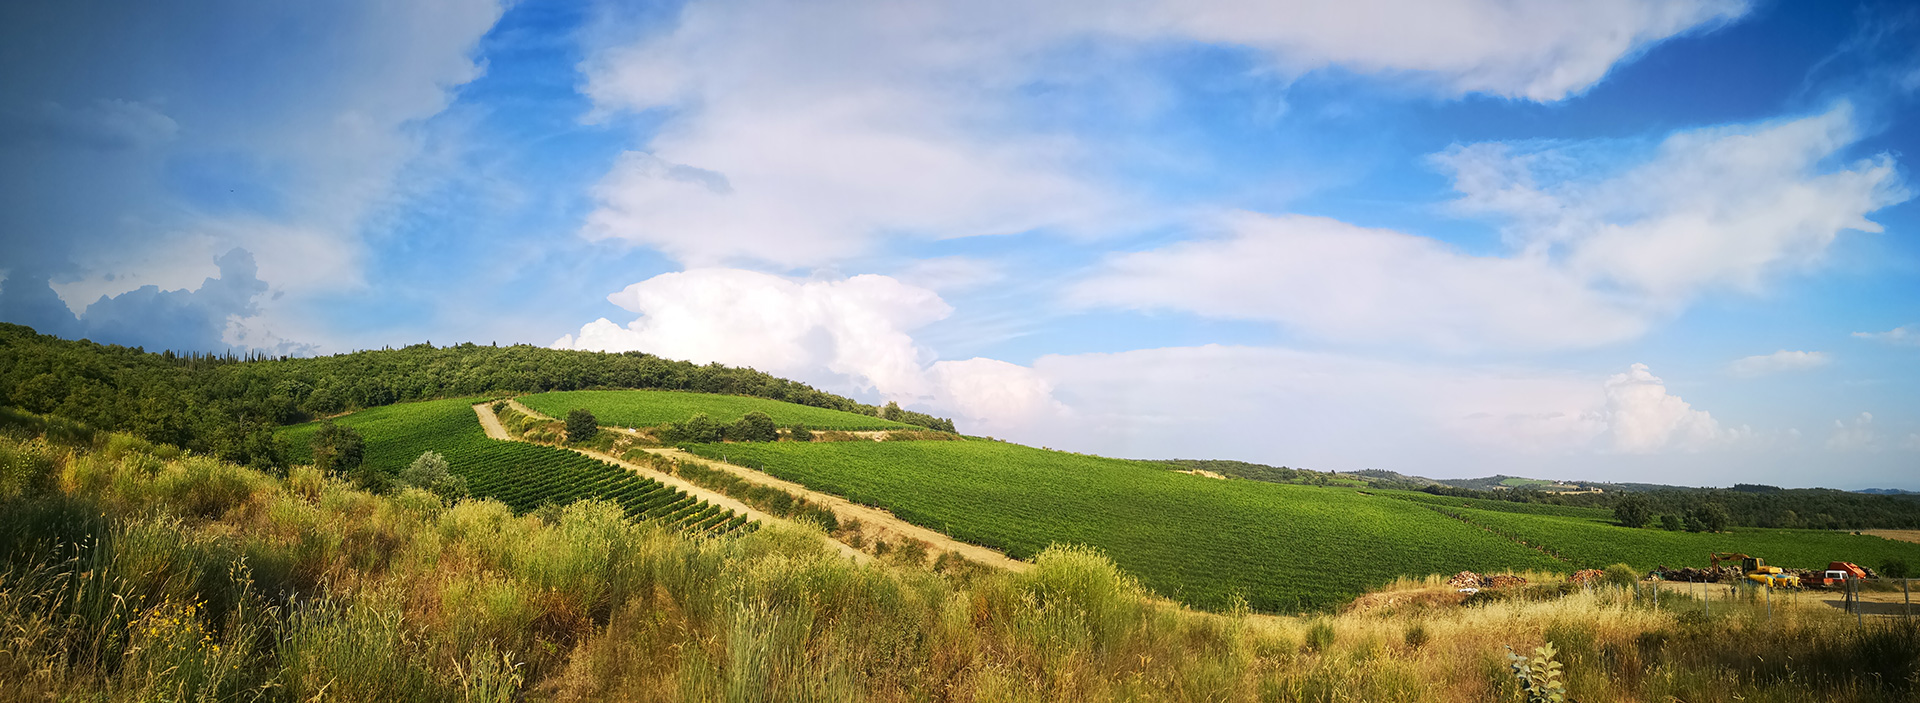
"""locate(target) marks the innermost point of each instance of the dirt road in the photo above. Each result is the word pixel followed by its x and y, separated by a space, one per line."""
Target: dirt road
pixel 876 523
pixel 495 430
pixel 1902 535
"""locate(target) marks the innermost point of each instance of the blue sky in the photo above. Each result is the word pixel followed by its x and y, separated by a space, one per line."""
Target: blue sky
pixel 1624 240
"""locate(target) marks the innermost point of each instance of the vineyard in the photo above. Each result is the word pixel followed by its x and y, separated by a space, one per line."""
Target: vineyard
pixel 650 408
pixel 1502 506
pixel 1592 544
pixel 524 476
pixel 1198 540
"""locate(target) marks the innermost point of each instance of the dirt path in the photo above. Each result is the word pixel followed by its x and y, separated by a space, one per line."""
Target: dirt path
pixel 1902 535
pixel 876 523
pixel 491 422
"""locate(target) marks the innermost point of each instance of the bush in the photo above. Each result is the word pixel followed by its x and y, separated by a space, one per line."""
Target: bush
pixel 755 426
pixel 581 425
pixel 698 429
pixel 800 433
pixel 338 450
pixel 1622 575
pixel 430 472
pixel 1895 569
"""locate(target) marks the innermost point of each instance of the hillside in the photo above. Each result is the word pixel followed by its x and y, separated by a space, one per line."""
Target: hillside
pixel 651 408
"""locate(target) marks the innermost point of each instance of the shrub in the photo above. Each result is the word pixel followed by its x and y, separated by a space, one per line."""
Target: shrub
pixel 430 472
pixel 338 450
pixel 581 425
pixel 1622 575
pixel 800 433
pixel 755 426
pixel 1895 569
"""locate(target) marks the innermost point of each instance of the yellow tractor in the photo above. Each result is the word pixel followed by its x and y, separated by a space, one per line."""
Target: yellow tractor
pixel 1757 570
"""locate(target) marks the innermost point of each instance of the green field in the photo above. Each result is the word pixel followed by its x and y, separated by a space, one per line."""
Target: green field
pixel 650 408
pixel 1195 539
pixel 524 476
pixel 1593 544
pixel 1502 506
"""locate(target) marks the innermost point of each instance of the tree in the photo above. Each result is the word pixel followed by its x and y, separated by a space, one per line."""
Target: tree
pixel 1895 569
pixel 1715 517
pixel 430 472
pixel 755 426
pixel 581 425
pixel 800 433
pixel 1671 523
pixel 1633 511
pixel 337 450
pixel 698 429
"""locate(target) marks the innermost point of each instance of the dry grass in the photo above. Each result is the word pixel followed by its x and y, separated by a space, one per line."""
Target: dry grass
pixel 137 575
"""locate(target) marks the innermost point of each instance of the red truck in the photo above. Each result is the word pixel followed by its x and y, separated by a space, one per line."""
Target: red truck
pixel 1839 571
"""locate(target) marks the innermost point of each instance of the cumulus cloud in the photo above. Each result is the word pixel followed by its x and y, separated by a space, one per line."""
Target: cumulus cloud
pixel 1905 336
pixel 850 334
pixel 797 133
pixel 1594 258
pixel 1642 417
pixel 1777 362
pixel 1855 435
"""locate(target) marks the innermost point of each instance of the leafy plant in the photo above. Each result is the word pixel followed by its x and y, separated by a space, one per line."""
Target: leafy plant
pixel 1540 675
pixel 581 425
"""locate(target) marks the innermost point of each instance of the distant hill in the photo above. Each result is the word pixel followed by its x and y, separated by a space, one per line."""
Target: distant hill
pixel 1383 476
pixel 1888 492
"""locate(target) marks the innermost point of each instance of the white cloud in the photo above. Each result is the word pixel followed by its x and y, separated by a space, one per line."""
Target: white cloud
pixel 1905 336
pixel 1335 280
pixel 847 335
pixel 1778 362
pixel 1642 417
pixel 798 133
pixel 1718 207
pixel 1594 259
pixel 951 273
pixel 1856 435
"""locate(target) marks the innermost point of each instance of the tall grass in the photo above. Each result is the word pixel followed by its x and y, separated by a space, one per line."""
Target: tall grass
pixel 130 573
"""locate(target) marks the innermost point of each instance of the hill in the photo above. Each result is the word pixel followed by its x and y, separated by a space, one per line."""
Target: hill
pixel 653 408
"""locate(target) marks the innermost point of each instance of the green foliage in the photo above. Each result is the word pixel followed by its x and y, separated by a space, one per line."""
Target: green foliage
pixel 1671 523
pixel 1895 569
pixel 1540 676
pixel 755 426
pixel 1262 472
pixel 1195 539
pixel 230 406
pixel 431 473
pixel 800 433
pixel 581 425
pixel 1632 511
pixel 696 429
pixel 337 450
pixel 1712 517
pixel 1622 575
pixel 646 408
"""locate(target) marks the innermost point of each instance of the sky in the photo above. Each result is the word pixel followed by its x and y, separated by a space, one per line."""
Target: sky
pixel 1625 240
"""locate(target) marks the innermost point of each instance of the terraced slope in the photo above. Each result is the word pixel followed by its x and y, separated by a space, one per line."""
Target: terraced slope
pixel 523 476
pixel 1594 544
pixel 1195 539
pixel 648 408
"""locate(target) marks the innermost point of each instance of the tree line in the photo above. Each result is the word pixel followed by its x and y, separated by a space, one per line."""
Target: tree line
pixel 230 405
pixel 1744 505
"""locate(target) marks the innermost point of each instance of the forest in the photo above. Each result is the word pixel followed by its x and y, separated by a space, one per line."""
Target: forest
pixel 229 405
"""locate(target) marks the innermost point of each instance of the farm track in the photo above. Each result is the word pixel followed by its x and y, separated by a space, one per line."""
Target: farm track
pixel 495 430
pixel 873 520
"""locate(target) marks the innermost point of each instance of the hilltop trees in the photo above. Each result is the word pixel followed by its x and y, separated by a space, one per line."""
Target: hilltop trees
pixel 581 425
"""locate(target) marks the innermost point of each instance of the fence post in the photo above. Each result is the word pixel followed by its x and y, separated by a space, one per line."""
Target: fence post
pixel 1769 599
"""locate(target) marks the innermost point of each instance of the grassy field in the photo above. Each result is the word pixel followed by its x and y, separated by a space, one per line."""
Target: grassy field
pixel 1199 540
pixel 1592 544
pixel 649 408
pixel 1502 506
pixel 524 476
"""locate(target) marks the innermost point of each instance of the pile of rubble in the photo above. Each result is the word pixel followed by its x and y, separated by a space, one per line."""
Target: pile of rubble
pixel 1586 577
pixel 1468 579
pixel 1724 574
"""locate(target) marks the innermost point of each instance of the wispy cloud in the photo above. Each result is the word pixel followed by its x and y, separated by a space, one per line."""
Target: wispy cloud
pixel 1777 362
pixel 1904 336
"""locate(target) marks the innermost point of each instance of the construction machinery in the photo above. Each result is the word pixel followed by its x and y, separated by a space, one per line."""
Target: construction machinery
pixel 1755 569
pixel 1838 572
